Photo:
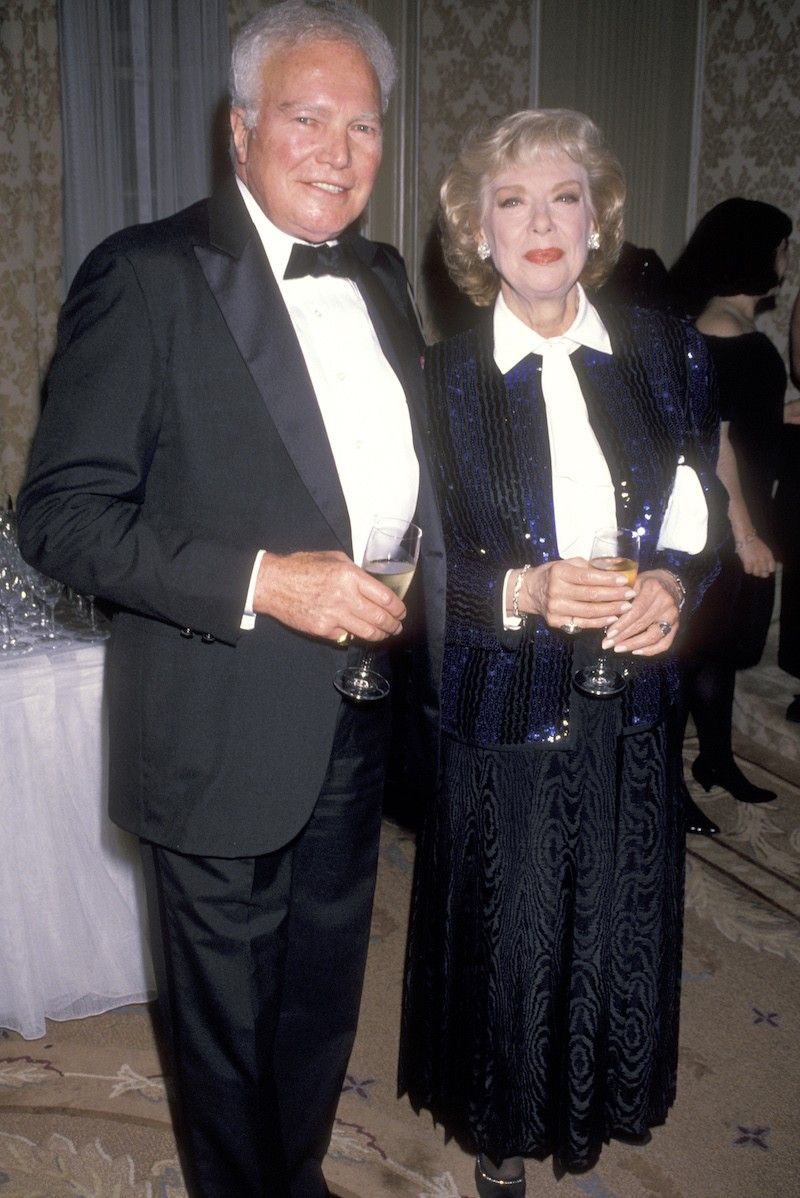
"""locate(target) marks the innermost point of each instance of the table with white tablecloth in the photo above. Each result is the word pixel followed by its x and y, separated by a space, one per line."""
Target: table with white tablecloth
pixel 72 914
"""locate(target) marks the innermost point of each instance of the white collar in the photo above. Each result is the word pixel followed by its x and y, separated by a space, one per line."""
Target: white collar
pixel 514 340
pixel 277 244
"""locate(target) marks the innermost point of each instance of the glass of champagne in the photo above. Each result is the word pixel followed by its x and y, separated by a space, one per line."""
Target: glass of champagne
pixel 391 556
pixel 617 551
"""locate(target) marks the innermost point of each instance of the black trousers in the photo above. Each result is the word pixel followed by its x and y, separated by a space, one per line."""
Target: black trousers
pixel 259 965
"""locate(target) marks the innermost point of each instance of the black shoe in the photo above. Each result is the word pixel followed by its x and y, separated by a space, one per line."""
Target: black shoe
pixel 793 710
pixel 730 778
pixel 489 1186
pixel 695 820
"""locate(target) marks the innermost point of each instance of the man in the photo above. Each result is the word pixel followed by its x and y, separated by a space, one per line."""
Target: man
pixel 216 441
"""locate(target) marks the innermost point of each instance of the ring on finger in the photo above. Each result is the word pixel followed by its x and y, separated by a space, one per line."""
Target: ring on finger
pixel 665 627
pixel 344 639
pixel 570 628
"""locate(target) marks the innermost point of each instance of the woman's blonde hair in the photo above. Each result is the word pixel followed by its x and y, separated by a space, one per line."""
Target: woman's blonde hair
pixel 487 150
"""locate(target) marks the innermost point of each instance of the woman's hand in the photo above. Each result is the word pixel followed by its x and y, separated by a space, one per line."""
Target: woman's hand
pixel 572 594
pixel 756 557
pixel 649 628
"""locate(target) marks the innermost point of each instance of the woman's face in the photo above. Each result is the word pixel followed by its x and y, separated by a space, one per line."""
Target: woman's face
pixel 536 216
pixel 782 258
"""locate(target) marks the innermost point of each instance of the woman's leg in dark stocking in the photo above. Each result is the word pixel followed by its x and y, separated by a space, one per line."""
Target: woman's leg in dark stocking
pixel 713 686
pixel 695 819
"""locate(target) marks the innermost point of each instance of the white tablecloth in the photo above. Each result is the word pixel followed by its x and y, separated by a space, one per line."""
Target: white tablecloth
pixel 72 923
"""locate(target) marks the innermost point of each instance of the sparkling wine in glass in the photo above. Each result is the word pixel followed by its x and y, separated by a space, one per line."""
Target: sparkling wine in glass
pixel 617 551
pixel 390 556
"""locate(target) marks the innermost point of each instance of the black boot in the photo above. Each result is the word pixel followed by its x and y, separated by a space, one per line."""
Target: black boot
pixel 695 820
pixel 730 778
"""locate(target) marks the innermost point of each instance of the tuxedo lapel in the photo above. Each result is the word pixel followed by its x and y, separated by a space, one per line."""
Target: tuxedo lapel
pixel 237 271
pixel 392 315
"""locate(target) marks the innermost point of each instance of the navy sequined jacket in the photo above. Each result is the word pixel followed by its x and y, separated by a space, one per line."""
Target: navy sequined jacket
pixel 652 404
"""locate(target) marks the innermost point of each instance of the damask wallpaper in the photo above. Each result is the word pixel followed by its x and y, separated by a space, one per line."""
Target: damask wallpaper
pixel 474 64
pixel 750 132
pixel 30 199
pixel 472 61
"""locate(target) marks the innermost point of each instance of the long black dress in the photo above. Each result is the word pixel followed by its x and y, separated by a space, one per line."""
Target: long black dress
pixel 732 623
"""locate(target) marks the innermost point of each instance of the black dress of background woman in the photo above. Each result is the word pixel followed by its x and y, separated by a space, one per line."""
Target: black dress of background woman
pixel 735 258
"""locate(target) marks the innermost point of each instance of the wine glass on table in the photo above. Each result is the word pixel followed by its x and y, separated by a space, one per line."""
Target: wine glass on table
pixel 13 595
pixel 48 591
pixel 391 556
pixel 615 550
pixel 93 631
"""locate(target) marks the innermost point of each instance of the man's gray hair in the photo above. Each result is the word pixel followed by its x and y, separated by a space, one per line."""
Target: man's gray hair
pixel 296 21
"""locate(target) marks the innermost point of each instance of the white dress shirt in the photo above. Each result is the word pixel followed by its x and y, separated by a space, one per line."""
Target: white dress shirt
pixel 583 493
pixel 361 401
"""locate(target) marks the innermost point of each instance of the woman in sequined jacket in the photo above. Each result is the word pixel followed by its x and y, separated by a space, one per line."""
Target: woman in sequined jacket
pixel 541 995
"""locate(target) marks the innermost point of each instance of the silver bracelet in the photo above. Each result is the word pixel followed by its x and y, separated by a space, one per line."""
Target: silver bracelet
pixel 515 594
pixel 681 588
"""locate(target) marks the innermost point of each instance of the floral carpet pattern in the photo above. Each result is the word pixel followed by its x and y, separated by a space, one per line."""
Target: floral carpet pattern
pixel 84 1112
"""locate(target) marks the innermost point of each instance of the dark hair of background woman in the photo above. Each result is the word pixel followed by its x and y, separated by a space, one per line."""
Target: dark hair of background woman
pixel 731 252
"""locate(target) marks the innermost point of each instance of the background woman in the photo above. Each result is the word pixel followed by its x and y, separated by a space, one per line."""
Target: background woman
pixel 735 258
pixel 541 999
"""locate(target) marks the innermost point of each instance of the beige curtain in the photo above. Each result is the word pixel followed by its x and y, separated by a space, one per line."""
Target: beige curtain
pixel 30 248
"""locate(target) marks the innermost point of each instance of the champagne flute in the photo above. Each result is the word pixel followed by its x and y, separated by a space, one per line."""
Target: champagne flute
pixel 391 555
pixel 617 551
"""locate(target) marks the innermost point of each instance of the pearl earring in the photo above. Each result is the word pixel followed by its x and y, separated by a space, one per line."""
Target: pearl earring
pixel 593 240
pixel 483 250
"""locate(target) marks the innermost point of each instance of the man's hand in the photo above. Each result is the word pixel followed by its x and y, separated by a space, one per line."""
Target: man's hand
pixel 325 595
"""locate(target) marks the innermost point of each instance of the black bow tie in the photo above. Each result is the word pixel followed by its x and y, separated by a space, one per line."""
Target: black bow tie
pixel 319 260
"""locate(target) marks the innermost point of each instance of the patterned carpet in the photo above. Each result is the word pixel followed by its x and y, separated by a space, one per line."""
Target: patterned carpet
pixel 83 1111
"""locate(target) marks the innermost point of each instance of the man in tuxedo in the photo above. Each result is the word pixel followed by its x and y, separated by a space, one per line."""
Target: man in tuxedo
pixel 220 430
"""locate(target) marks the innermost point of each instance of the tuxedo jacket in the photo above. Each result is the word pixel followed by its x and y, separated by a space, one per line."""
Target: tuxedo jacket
pixel 180 434
pixel 652 406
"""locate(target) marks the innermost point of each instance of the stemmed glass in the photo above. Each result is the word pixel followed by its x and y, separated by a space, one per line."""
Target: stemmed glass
pixel 93 631
pixel 49 591
pixel 391 555
pixel 12 596
pixel 615 550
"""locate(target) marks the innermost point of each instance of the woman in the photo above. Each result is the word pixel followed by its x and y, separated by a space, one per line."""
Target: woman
pixel 735 258
pixel 541 996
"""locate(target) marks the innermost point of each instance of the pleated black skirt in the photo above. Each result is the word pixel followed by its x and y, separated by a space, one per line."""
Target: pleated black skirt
pixel 542 988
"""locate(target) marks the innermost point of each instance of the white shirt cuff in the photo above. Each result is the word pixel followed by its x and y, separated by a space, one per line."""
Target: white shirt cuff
pixel 249 617
pixel 685 524
pixel 510 623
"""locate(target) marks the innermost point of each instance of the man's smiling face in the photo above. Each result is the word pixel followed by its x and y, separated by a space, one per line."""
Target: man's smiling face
pixel 311 159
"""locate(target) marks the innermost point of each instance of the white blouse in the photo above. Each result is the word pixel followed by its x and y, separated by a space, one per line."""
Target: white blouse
pixel 583 493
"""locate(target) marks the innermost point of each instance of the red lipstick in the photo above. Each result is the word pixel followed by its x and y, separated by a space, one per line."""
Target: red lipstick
pixel 543 257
